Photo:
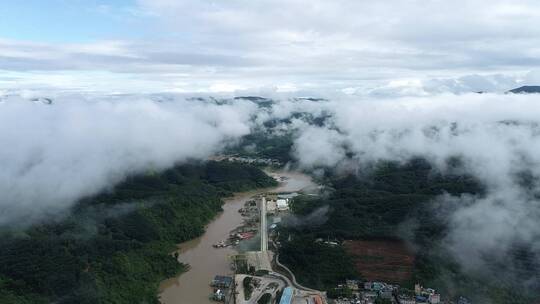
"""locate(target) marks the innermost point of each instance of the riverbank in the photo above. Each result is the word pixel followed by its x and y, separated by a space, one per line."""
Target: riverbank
pixel 206 261
pixel 115 247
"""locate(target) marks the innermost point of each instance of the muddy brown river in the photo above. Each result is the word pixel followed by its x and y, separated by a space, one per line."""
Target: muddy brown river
pixel 205 262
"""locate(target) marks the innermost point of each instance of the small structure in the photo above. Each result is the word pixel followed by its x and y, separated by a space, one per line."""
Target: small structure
pixel 286 297
pixel 271 207
pixel 367 285
pixel 418 289
pixel 218 295
pixel 426 295
pixel 331 243
pixel 386 294
pixel 220 244
pixel 221 281
pixel 378 286
pixel 282 205
pixel 245 235
pixel 352 285
pixel 369 296
pixel 406 300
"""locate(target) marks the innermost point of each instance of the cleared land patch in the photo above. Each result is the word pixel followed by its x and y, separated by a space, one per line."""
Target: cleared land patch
pixel 382 260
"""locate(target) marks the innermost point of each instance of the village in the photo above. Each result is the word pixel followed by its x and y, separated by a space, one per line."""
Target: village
pixel 381 292
pixel 249 160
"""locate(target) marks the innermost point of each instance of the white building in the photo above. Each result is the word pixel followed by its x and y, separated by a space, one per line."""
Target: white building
pixel 282 205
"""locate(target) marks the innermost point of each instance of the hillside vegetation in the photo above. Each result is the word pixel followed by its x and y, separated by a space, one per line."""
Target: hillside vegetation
pixel 392 202
pixel 114 248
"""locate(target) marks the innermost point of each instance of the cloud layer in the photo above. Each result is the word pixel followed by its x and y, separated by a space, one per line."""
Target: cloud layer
pixel 496 136
pixel 53 155
pixel 297 44
pixel 79 145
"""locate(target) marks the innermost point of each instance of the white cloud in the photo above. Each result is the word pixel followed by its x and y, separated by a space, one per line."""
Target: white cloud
pixel 82 145
pixel 327 44
pixel 497 136
pixel 53 155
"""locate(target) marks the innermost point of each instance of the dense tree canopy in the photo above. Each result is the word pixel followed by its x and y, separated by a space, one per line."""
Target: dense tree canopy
pixel 114 248
pixel 374 206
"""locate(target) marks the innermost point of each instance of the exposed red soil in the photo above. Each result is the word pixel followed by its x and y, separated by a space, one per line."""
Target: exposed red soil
pixel 382 260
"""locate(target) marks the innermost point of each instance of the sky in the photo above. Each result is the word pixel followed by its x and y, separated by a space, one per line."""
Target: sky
pixel 400 47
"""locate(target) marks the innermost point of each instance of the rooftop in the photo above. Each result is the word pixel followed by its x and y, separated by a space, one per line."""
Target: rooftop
pixel 286 297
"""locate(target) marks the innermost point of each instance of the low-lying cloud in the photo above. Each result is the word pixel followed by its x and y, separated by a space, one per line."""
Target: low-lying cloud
pixel 497 137
pixel 52 155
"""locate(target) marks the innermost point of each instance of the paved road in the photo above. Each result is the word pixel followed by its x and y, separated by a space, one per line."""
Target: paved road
pixel 292 277
pixel 264 228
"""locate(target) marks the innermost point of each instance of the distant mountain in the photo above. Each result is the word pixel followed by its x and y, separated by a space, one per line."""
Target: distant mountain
pixel 260 101
pixel 253 98
pixel 43 100
pixel 36 100
pixel 311 99
pixel 525 90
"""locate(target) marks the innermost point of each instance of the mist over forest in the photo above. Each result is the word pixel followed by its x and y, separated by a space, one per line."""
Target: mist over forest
pixel 125 126
pixel 75 147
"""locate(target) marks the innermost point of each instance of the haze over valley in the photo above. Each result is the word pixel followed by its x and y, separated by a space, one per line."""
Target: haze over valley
pixel 130 136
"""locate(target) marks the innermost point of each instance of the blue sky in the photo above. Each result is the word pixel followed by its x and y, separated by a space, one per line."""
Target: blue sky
pixel 69 20
pixel 198 45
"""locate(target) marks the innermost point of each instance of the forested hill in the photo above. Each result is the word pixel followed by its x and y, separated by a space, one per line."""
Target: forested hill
pixel 114 248
pixel 378 206
pixel 374 205
pixel 365 207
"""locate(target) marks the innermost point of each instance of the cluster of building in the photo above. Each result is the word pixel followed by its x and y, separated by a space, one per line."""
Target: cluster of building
pixel 253 160
pixel 423 295
pixel 279 202
pixel 366 293
pixel 369 292
pixel 379 289
pixel 234 239
pixel 222 286
pixel 278 205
